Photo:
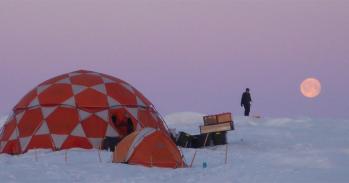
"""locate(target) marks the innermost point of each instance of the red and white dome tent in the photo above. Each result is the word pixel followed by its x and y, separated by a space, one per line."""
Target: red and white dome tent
pixel 74 110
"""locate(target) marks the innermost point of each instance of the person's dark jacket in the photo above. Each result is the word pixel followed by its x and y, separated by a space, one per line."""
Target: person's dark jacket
pixel 246 99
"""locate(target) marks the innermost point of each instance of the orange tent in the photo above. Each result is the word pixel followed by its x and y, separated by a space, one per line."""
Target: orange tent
pixel 74 110
pixel 149 147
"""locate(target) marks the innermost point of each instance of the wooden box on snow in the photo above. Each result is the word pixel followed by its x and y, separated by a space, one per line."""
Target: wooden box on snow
pixel 221 127
pixel 225 117
pixel 218 118
pixel 210 120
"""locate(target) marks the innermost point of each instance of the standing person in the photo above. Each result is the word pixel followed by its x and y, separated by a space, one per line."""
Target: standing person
pixel 246 101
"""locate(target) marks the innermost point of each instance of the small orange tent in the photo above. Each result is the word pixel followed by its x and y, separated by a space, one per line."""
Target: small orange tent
pixel 149 147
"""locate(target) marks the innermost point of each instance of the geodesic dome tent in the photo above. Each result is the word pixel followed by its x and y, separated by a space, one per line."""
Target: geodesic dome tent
pixel 74 110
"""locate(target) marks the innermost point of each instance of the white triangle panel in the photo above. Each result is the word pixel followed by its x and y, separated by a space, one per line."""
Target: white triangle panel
pixel 47 111
pixel 64 81
pixel 133 112
pixel 24 142
pixel 78 131
pixel 34 102
pixel 111 132
pixel 107 80
pixel 70 101
pixel 140 102
pixel 78 89
pixel 14 134
pixel 103 115
pixel 58 140
pixel 19 116
pixel 2 145
pixel 43 130
pixel 100 88
pixel 84 115
pixel 73 74
pixel 112 102
pixel 42 88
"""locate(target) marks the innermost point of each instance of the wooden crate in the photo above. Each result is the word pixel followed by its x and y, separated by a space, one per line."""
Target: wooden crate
pixel 221 127
pixel 210 120
pixel 225 117
pixel 217 118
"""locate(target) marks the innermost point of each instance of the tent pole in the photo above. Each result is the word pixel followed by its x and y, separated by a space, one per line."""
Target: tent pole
pixel 192 161
pixel 36 155
pixel 99 154
pixel 114 155
pixel 226 154
pixel 66 156
pixel 206 140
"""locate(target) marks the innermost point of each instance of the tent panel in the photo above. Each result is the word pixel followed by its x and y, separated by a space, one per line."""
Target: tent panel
pixel 94 127
pixel 122 150
pixel 56 94
pixel 63 120
pixel 8 130
pixel 30 122
pixel 91 98
pixel 74 142
pixel 86 79
pixel 121 94
pixel 40 142
pixel 12 147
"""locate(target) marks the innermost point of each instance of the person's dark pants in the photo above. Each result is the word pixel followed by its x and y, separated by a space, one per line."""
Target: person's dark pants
pixel 247 109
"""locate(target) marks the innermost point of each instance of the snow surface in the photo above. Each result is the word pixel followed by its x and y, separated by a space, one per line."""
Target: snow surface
pixel 266 150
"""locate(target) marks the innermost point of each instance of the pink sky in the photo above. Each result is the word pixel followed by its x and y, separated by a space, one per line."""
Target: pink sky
pixel 185 55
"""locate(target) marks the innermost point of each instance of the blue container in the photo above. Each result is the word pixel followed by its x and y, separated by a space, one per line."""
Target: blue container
pixel 204 165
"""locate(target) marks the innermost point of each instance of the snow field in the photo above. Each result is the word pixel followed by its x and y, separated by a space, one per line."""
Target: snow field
pixel 263 150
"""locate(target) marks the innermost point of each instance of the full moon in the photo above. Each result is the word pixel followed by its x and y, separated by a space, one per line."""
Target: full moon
pixel 310 87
